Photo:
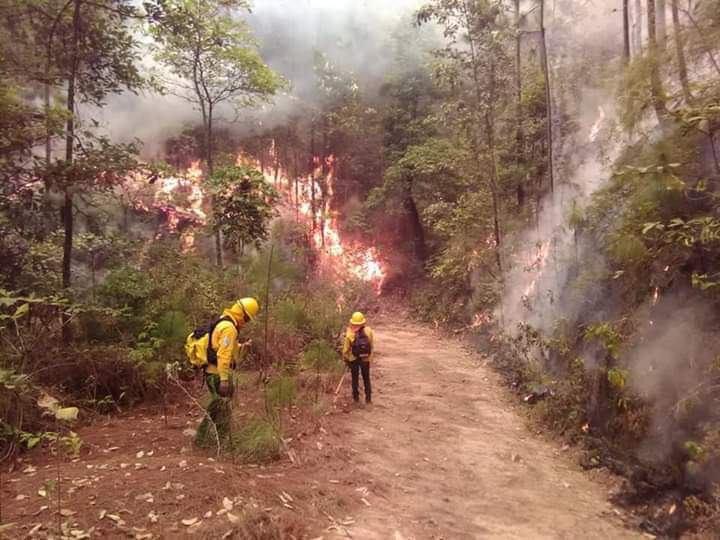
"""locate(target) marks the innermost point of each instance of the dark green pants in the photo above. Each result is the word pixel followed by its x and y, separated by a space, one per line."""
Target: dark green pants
pixel 219 413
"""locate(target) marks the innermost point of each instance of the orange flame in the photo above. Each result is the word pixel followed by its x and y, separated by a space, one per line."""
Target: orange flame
pixel 179 214
pixel 311 203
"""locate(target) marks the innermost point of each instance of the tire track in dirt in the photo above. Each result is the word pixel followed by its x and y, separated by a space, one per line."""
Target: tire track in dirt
pixel 445 456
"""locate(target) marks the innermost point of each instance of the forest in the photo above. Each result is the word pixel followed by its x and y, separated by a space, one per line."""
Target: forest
pixel 539 180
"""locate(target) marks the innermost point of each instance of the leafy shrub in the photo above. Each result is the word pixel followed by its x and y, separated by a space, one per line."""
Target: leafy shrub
pixel 19 417
pixel 126 287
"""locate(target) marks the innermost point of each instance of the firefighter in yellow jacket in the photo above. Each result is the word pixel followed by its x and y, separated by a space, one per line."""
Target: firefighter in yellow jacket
pixel 222 352
pixel 357 351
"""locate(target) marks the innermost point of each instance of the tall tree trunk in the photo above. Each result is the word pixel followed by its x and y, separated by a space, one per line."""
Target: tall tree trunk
pixel 296 178
pixel 548 96
pixel 661 16
pixel 67 209
pixel 325 187
pixel 626 31
pixel 494 176
pixel 680 51
pixel 210 161
pixel 48 134
pixel 313 167
pixel 519 136
pixel 638 27
pixel 656 87
pixel 490 134
pixel 489 131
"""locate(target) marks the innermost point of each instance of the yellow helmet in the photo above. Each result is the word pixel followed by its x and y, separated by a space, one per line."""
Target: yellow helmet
pixel 245 308
pixel 357 319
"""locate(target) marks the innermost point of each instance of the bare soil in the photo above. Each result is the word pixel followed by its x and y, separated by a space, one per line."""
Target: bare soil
pixel 442 453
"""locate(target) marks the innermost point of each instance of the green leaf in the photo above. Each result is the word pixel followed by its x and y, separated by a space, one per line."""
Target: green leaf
pixel 20 312
pixel 32 441
pixel 47 402
pixel 67 414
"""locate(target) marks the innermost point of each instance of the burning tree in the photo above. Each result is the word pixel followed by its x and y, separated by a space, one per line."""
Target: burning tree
pixel 214 61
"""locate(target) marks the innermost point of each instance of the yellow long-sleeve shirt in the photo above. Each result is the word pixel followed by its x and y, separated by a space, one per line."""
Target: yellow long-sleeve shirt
pixel 349 339
pixel 225 342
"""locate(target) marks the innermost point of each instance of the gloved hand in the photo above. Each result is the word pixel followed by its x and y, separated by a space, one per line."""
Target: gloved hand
pixel 225 389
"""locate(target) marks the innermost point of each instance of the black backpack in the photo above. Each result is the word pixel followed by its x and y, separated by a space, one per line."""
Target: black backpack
pixel 208 329
pixel 361 347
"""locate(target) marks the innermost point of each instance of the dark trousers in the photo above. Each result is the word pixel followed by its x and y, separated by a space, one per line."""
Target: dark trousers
pixel 356 367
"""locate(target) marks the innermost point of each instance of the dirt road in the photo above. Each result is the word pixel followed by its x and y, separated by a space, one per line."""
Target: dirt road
pixel 441 454
pixel 452 460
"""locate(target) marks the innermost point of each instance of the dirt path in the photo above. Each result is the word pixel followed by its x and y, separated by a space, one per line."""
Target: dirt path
pixel 453 459
pixel 441 455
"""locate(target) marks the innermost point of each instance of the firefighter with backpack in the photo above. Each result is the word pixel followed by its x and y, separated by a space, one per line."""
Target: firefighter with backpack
pixel 215 348
pixel 357 352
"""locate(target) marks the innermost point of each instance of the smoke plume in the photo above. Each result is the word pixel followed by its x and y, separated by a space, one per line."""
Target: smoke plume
pixel 355 36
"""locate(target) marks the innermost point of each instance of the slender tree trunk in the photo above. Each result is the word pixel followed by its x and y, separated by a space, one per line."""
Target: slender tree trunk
pixel 519 136
pixel 548 96
pixel 489 131
pixel 494 176
pixel 638 27
pixel 680 51
pixel 656 87
pixel 325 203
pixel 67 209
pixel 661 16
pixel 626 31
pixel 296 178
pixel 490 134
pixel 210 161
pixel 48 134
pixel 312 178
pixel 48 137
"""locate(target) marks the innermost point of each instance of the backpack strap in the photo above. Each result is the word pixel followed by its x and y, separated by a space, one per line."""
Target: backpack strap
pixel 211 352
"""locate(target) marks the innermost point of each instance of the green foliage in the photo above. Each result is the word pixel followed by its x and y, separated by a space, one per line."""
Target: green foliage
pixel 627 250
pixel 21 127
pixel 607 335
pixel 126 287
pixel 243 205
pixel 218 57
pixel 320 355
pixel 258 440
pixel 280 392
pixel 618 378
pixel 694 450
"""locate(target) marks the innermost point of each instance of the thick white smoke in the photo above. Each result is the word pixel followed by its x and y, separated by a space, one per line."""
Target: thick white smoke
pixel 537 276
pixel 356 35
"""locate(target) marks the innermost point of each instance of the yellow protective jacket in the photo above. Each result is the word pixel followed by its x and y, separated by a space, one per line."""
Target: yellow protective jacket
pixel 350 339
pixel 225 342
